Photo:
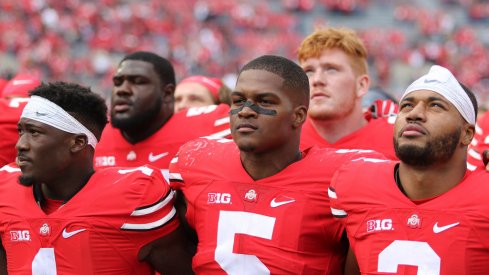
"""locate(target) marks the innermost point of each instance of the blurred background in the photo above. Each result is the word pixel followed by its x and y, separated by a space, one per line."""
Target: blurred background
pixel 83 40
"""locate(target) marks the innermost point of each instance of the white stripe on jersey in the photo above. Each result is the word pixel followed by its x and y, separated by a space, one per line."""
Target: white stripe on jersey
pixel 473 153
pixel 338 212
pixel 478 129
pixel 9 169
pixel 371 160
pixel 176 176
pixel 174 160
pixel 346 151
pixel 151 225
pixel 220 134
pixel 145 170
pixel 221 121
pixel 332 194
pixel 154 208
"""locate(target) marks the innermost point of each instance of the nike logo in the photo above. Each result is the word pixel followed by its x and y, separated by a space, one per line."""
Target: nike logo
pixel 437 229
pixel 41 114
pixel 274 203
pixel 430 80
pixel 67 234
pixel 153 158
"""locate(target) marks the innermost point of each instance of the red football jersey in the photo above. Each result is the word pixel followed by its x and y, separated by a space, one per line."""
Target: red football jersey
pixel 277 225
pixel 479 144
pixel 158 149
pixel 390 234
pixel 376 135
pixel 98 231
pixel 10 111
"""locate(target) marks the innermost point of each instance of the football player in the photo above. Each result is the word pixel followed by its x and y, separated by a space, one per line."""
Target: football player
pixel 144 128
pixel 335 61
pixel 427 213
pixel 58 216
pixel 257 204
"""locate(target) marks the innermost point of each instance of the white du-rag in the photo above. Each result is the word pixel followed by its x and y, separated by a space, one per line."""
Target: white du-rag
pixel 47 112
pixel 440 80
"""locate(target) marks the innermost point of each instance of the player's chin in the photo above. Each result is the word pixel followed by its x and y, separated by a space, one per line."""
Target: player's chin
pixel 26 180
pixel 320 112
pixel 245 145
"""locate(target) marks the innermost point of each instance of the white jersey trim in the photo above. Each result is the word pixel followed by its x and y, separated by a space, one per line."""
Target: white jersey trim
pixel 151 225
pixel 154 208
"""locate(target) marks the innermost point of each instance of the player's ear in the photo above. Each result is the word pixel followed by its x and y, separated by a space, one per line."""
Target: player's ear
pixel 78 142
pixel 299 116
pixel 363 83
pixel 468 134
pixel 168 92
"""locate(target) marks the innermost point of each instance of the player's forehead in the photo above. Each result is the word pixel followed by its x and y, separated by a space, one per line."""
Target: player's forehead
pixel 190 89
pixel 26 123
pixel 135 68
pixel 259 81
pixel 425 95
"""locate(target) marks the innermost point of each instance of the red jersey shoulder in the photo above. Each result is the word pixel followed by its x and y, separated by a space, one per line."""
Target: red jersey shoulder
pixel 9 178
pixel 12 108
pixel 203 157
pixel 136 186
pixel 376 135
pixel 205 150
pixel 205 112
pixel 354 179
pixel 473 189
pixel 212 120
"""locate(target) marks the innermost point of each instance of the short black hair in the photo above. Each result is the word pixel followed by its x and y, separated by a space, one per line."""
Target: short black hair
pixel 295 78
pixel 162 66
pixel 86 106
pixel 472 97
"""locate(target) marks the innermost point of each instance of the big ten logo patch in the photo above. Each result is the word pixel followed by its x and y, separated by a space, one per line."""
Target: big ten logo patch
pixel 105 161
pixel 224 198
pixel 20 235
pixel 379 225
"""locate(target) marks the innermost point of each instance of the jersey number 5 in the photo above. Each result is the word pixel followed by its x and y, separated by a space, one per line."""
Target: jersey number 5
pixel 238 222
pixel 44 262
pixel 412 253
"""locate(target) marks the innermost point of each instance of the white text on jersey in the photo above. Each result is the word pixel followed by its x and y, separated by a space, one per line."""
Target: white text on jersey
pixel 20 235
pixel 224 198
pixel 379 225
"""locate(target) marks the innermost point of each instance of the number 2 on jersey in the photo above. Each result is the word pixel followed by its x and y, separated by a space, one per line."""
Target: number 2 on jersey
pixel 412 253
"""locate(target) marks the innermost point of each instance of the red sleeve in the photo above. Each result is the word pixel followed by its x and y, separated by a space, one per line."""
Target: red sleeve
pixel 176 179
pixel 154 215
pixel 337 208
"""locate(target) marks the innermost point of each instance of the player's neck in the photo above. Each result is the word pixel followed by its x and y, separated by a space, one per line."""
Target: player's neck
pixel 428 182
pixel 144 131
pixel 333 130
pixel 260 166
pixel 65 187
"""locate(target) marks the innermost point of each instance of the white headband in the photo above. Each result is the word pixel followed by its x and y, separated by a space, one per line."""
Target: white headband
pixel 47 112
pixel 441 81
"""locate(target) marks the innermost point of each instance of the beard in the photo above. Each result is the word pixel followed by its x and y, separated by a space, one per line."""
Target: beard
pixel 440 149
pixel 26 181
pixel 138 119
